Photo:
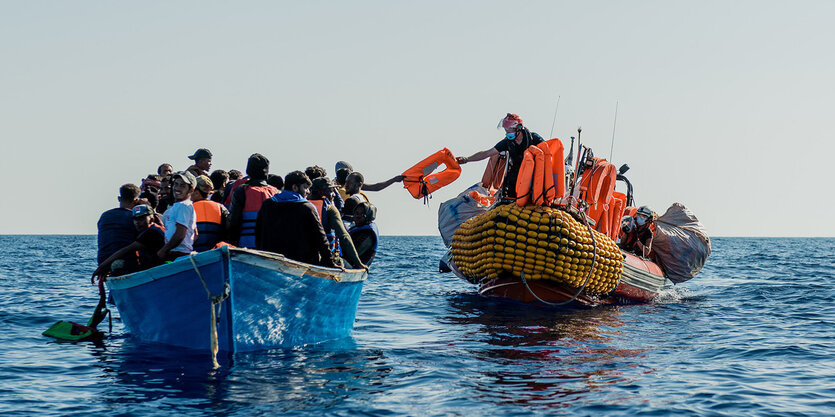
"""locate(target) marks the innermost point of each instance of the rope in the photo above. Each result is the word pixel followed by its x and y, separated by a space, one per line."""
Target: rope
pixel 593 260
pixel 215 315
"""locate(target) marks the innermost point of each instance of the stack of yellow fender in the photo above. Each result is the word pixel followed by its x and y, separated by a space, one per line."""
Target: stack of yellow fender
pixel 543 242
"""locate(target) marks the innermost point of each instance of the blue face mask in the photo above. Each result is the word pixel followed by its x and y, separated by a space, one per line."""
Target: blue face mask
pixel 510 136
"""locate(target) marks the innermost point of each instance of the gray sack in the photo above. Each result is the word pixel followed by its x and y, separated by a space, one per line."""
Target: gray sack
pixel 680 243
pixel 457 210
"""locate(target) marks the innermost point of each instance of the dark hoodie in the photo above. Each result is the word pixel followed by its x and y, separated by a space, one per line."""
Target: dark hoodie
pixel 288 224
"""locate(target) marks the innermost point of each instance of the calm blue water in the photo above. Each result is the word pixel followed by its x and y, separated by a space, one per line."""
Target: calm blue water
pixel 752 335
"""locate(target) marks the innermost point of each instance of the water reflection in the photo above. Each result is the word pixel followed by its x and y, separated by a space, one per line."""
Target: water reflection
pixel 314 377
pixel 545 357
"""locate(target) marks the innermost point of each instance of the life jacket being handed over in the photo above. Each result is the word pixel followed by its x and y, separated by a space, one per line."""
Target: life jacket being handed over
pixel 421 179
pixel 255 196
pixel 208 216
pixel 321 210
pixel 493 176
pixel 367 257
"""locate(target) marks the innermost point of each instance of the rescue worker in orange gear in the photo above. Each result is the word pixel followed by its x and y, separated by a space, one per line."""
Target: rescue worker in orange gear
pixel 638 232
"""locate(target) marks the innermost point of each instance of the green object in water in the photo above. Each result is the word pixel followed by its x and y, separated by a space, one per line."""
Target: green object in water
pixel 67 330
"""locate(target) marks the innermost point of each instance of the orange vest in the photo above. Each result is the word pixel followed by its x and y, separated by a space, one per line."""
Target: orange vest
pixel 208 218
pixel 421 179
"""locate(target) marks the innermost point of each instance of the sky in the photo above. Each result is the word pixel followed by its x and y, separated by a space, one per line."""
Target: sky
pixel 722 106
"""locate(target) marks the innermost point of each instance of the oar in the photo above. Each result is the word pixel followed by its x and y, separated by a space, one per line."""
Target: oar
pixel 71 331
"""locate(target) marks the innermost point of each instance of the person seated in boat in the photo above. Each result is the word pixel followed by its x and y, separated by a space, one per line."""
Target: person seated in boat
pixel 637 232
pixel 115 226
pixel 202 162
pixel 516 141
pixel 219 179
pixel 179 221
pixel 364 233
pixel 150 239
pixel 165 170
pixel 321 195
pixel 247 199
pixel 164 197
pixel 150 183
pixel 289 224
pixel 340 179
pixel 315 172
pixel 353 188
pixel 212 218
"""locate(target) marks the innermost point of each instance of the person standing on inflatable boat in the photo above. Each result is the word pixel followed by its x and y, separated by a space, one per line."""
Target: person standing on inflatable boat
pixel 517 139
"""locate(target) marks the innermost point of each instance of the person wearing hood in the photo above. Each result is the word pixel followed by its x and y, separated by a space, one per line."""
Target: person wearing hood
pixel 516 141
pixel 247 200
pixel 289 224
pixel 637 231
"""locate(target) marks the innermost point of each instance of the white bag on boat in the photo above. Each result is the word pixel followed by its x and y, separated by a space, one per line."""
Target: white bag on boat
pixel 680 244
pixel 453 212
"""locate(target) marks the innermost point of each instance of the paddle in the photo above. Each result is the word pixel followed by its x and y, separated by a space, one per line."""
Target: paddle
pixel 71 331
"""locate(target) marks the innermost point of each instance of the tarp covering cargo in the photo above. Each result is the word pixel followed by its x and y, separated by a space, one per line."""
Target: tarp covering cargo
pixel 457 210
pixel 680 244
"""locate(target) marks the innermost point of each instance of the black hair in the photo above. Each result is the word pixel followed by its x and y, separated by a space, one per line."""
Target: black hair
pixel 342 175
pixel 358 176
pixel 128 192
pixel 234 174
pixel 276 181
pixel 315 172
pixel 296 178
pixel 152 198
pixel 218 177
pixel 159 168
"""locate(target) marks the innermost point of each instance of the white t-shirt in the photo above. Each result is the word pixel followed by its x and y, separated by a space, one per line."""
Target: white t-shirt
pixel 182 212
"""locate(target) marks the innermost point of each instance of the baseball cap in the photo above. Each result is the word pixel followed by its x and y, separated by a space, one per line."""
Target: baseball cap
pixel 186 176
pixel 204 184
pixel 142 210
pixel 200 154
pixel 322 183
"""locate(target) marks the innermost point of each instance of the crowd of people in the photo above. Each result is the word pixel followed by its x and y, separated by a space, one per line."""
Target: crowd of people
pixel 304 215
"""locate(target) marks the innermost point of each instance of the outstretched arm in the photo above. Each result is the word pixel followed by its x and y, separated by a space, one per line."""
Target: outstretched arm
pixel 382 185
pixel 478 156
pixel 102 269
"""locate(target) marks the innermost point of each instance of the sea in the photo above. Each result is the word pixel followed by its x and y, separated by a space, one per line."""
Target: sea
pixel 751 335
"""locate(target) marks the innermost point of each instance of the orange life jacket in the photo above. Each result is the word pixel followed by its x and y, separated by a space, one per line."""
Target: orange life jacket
pixel 493 176
pixel 255 196
pixel 208 218
pixel 421 179
pixel 557 166
pixel 524 179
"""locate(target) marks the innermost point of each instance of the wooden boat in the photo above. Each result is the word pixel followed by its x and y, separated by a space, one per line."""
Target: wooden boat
pixel 254 299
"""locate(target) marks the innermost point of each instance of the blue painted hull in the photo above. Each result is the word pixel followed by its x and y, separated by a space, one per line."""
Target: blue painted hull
pixel 273 301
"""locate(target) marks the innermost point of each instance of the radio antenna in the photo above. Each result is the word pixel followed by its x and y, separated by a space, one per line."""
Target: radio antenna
pixel 614 125
pixel 551 135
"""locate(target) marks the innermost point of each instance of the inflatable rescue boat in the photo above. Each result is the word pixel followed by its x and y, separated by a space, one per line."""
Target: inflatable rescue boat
pixel 556 243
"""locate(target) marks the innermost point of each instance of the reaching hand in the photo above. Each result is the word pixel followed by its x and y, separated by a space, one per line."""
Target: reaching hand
pixel 461 160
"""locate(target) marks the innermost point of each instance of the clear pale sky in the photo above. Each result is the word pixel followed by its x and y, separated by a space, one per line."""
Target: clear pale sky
pixel 723 106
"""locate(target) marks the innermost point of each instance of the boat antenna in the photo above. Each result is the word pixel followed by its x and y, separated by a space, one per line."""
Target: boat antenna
pixel 551 135
pixel 614 125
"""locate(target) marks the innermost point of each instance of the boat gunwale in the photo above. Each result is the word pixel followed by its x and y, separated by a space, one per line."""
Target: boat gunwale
pixel 263 259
